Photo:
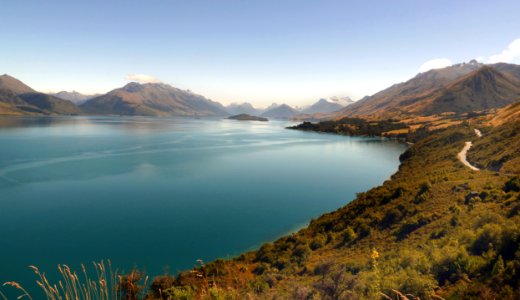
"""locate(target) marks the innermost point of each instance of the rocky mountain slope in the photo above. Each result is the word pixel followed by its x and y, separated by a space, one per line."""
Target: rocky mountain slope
pixel 460 88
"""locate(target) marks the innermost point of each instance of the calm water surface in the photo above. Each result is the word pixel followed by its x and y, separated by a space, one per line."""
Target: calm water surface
pixel 161 193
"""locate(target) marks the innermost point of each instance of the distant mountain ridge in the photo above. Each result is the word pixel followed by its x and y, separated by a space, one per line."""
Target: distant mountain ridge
pixel 459 88
pixel 283 111
pixel 152 99
pixel 17 98
pixel 322 106
pixel 242 108
pixel 74 97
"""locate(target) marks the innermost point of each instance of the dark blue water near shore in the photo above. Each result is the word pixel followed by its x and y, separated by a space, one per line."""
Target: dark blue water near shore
pixel 159 193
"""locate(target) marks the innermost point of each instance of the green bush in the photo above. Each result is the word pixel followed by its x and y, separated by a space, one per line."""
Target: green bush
pixel 265 254
pixel 180 293
pixel 300 253
pixel 348 235
pixel 489 237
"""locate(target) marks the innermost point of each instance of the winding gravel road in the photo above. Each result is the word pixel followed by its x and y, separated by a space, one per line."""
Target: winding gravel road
pixel 463 153
pixel 462 156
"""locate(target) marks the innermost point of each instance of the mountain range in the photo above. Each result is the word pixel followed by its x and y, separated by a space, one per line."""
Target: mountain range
pixel 74 97
pixel 458 89
pixel 243 108
pixel 283 111
pixel 322 106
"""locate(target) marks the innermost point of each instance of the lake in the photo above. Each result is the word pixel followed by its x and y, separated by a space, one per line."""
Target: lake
pixel 160 193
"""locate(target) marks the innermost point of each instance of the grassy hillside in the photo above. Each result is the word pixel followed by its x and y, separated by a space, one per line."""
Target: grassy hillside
pixel 436 229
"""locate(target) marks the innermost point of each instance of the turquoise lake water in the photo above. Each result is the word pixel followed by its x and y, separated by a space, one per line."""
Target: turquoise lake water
pixel 160 193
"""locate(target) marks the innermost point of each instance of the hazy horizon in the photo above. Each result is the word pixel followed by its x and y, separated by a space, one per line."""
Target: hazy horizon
pixel 232 52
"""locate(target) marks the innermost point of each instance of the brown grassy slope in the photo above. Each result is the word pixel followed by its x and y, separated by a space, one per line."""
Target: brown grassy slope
pixel 14 85
pixel 504 115
pixel 382 104
pixel 154 99
pixel 499 150
pixel 483 89
pixel 16 98
pixel 459 88
pixel 48 104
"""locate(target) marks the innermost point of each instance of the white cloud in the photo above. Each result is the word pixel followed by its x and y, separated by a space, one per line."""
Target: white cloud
pixel 435 64
pixel 481 59
pixel 142 78
pixel 512 52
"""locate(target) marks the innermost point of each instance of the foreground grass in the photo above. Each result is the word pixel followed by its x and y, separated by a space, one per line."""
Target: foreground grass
pixel 101 282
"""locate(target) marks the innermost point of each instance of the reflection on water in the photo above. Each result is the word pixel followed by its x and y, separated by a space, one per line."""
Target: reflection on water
pixel 152 192
pixel 135 125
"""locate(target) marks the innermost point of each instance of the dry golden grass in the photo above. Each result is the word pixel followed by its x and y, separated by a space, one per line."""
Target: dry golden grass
pixel 104 285
pixel 506 114
pixel 444 124
pixel 7 110
pixel 421 119
pixel 396 132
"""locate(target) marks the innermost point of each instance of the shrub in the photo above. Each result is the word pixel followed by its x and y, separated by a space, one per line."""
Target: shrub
pixel 281 263
pixel 488 238
pixel 512 184
pixel 391 217
pixel 410 226
pixel 348 235
pixel 302 293
pixel 260 269
pixel 515 210
pixel 323 268
pixel 265 254
pixel 180 293
pixel 439 233
pixel 316 243
pixel 258 285
pixel 455 221
pixel 335 284
pixel 216 268
pixel 160 284
pixel 363 230
pixel 129 285
pixel 300 253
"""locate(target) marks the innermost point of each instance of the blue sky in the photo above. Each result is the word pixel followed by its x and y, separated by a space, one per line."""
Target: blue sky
pixel 257 51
